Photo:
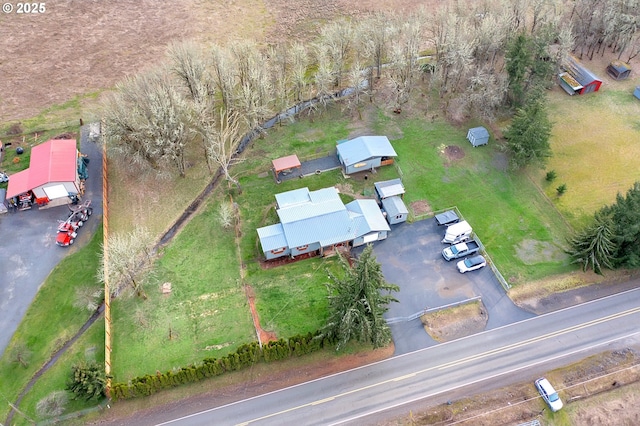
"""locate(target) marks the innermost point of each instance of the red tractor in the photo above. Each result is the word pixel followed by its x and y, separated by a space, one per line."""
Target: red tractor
pixel 68 229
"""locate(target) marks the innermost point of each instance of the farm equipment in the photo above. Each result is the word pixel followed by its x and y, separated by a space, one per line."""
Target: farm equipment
pixel 68 229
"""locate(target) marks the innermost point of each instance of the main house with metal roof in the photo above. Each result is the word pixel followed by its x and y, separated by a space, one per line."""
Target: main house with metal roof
pixel 365 153
pixel 318 221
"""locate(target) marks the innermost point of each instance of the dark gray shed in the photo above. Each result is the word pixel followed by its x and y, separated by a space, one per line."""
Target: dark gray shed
pixel 619 70
pixel 478 136
pixel 636 92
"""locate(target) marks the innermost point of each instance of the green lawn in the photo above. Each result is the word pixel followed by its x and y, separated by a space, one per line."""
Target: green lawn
pixel 206 314
pixel 596 150
pixel 520 228
pixel 90 347
pixel 50 320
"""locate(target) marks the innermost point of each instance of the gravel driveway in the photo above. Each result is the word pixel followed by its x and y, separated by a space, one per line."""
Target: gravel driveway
pixel 411 258
pixel 28 251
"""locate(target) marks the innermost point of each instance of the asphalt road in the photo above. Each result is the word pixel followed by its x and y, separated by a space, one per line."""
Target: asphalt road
pixel 490 358
pixel 28 251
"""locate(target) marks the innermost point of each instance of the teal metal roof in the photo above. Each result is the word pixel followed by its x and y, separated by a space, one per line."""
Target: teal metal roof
pixel 322 218
pixel 363 148
pixel 272 237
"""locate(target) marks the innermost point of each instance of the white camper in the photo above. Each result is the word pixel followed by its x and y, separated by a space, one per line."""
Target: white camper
pixel 457 233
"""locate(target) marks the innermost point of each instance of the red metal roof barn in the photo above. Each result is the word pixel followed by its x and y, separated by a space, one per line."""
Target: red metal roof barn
pixel 52 173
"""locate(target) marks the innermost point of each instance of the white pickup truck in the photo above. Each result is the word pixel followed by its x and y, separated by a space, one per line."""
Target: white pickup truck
pixel 460 250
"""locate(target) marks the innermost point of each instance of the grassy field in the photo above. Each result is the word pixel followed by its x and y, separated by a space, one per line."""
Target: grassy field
pixel 51 320
pixel 206 314
pixel 596 149
pixel 89 348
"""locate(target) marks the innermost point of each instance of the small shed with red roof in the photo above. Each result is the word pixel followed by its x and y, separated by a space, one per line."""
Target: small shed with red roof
pixel 52 172
pixel 285 165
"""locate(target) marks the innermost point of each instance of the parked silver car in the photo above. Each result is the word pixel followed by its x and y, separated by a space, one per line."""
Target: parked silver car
pixel 471 264
pixel 549 394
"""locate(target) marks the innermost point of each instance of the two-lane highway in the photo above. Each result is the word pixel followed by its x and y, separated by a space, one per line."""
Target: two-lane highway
pixel 437 370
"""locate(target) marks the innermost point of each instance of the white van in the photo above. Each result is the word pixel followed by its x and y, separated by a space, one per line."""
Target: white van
pixel 457 233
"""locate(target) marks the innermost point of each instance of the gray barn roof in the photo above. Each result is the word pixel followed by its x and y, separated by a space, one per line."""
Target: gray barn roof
pixel 394 206
pixel 581 73
pixel 364 148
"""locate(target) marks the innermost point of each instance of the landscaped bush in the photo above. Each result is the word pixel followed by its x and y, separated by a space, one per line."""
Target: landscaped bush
pixel 245 356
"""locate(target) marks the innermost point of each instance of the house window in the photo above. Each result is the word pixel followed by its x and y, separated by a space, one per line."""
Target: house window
pixel 302 248
pixel 278 251
pixel 399 216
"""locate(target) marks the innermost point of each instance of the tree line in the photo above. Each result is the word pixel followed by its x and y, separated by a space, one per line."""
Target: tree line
pixel 482 58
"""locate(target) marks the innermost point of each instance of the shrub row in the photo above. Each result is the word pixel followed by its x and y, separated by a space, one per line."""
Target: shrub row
pixel 245 356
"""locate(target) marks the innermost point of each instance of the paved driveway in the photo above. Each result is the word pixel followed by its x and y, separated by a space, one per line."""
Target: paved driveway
pixel 411 258
pixel 28 251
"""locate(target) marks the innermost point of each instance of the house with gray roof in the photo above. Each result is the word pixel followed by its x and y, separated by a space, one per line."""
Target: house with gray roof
pixel 317 221
pixel 365 153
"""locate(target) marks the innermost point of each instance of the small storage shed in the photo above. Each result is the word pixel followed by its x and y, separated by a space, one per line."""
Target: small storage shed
pixel 365 153
pixel 389 193
pixel 395 210
pixel 388 188
pixel 577 78
pixel 619 70
pixel 478 136
pixel 636 92
pixel 285 165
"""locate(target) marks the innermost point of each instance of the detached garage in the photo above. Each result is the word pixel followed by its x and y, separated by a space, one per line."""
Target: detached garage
pixel 52 174
pixel 365 153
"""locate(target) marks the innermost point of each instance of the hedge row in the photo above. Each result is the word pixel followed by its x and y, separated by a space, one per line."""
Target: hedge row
pixel 245 356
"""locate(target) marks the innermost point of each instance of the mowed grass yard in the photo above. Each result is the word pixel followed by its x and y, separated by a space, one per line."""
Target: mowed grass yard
pixel 596 149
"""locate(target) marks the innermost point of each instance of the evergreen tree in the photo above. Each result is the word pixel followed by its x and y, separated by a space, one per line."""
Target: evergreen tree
pixel 625 215
pixel 87 381
pixel 529 132
pixel 357 302
pixel 593 247
pixel 518 61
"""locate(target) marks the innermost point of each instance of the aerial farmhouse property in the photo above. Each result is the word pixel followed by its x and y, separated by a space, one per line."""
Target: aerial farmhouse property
pixel 318 222
pixel 365 153
pixel 52 176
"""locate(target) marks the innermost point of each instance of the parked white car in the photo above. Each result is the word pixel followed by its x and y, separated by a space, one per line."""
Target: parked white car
pixel 471 264
pixel 549 394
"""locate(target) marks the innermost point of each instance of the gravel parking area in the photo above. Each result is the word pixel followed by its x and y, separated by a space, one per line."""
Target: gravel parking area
pixel 411 258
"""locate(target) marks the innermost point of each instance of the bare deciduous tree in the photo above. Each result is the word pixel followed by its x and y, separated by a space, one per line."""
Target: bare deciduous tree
pixel 147 120
pixel 337 37
pixel 299 67
pixel 128 257
pixel 223 72
pixel 223 141
pixel 53 404
pixel 20 354
pixel 87 298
